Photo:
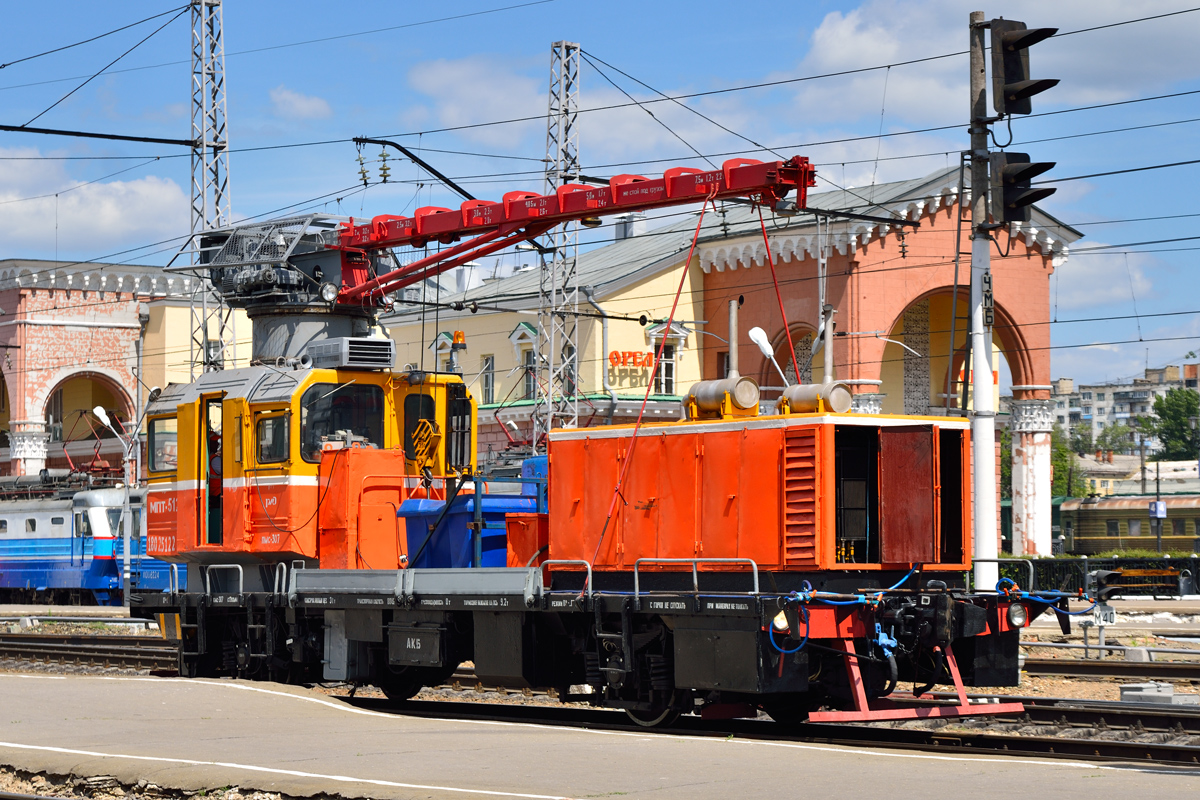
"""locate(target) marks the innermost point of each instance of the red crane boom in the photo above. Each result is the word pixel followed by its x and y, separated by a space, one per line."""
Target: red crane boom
pixel 521 216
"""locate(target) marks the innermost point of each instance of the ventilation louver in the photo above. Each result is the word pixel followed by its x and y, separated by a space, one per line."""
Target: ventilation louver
pixel 353 353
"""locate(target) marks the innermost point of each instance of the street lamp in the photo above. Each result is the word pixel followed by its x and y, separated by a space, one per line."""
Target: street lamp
pixel 130 443
pixel 759 337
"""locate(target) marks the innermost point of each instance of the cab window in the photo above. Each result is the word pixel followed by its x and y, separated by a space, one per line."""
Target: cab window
pixel 330 411
pixel 271 439
pixel 163 444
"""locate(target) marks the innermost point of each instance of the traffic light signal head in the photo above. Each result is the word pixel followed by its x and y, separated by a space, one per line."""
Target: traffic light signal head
pixel 1011 85
pixel 1102 580
pixel 1011 191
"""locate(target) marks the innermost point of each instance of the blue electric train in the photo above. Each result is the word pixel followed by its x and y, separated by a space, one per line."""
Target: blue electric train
pixel 61 544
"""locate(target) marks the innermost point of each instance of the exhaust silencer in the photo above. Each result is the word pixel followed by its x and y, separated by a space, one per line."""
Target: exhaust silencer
pixel 806 398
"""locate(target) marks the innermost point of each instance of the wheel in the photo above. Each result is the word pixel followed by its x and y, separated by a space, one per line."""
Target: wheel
pixel 398 689
pixel 788 709
pixel 653 718
pixel 403 684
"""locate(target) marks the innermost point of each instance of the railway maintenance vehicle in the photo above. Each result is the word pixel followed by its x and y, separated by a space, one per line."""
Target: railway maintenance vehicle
pixel 333 526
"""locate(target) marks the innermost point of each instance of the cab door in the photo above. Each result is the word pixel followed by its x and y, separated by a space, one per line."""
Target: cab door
pixel 209 520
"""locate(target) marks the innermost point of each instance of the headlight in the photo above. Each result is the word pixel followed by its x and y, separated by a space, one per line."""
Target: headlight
pixel 1017 615
pixel 780 622
pixel 329 292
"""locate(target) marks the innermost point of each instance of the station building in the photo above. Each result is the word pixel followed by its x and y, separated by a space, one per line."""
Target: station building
pixel 900 296
pixel 75 336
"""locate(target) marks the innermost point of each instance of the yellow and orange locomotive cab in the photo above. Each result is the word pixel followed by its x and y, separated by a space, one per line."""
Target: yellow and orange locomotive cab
pixel 254 465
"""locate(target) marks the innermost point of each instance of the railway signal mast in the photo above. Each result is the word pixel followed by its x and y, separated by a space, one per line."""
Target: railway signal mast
pixel 558 307
pixel 1011 197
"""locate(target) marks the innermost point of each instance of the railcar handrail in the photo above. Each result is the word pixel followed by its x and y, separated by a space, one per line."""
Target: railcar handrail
pixel 695 562
pixel 173 579
pixel 591 589
pixel 281 577
pixel 219 567
pixel 297 564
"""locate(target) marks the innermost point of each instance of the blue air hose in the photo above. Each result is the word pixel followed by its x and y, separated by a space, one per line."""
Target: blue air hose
pixel 771 634
pixel 1047 601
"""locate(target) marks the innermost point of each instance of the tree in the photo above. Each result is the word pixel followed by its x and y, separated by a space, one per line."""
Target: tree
pixel 1067 479
pixel 1006 464
pixel 1117 437
pixel 1081 440
pixel 1171 426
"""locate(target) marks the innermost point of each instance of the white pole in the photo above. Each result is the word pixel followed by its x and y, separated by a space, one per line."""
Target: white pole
pixel 126 524
pixel 983 416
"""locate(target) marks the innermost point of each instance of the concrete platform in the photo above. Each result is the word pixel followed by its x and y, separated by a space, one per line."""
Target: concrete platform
pixel 207 734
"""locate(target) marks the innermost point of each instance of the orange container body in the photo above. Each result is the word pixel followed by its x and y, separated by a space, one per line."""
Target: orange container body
pixel 360 528
pixel 763 488
pixel 528 534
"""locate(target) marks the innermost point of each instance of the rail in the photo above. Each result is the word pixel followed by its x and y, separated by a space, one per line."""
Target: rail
pixel 1179 651
pixel 241 576
pixel 142 652
pixel 695 562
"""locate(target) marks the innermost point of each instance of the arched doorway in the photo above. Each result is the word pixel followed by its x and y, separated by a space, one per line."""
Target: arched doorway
pixel 77 439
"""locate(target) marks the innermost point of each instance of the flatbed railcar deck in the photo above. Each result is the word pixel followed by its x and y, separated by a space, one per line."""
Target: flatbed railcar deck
pixel 665 647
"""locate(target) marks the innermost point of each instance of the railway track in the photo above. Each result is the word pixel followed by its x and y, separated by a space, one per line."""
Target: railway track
pixel 1114 668
pixel 1112 744
pixel 1053 727
pixel 137 652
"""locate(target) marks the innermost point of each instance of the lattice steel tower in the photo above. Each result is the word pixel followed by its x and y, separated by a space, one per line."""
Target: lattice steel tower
pixel 558 307
pixel 212 324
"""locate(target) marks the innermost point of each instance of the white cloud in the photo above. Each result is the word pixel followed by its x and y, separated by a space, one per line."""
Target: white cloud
pixel 1091 280
pixel 466 91
pixel 1152 55
pixel 289 104
pixel 87 221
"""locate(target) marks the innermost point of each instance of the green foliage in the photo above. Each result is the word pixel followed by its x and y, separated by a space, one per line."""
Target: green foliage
pixel 1067 480
pixel 1081 440
pixel 1171 426
pixel 1006 464
pixel 1117 437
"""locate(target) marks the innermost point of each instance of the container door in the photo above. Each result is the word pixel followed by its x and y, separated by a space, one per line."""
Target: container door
pixel 720 464
pixel 907 494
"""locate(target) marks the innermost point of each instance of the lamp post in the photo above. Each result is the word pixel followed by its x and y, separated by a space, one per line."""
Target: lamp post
pixel 130 443
pixel 1136 424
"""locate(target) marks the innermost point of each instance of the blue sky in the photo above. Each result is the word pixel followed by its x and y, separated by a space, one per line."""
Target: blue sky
pixel 489 66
